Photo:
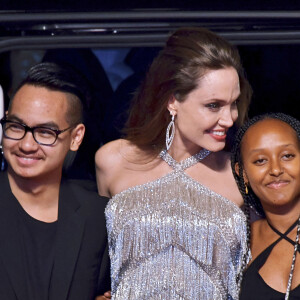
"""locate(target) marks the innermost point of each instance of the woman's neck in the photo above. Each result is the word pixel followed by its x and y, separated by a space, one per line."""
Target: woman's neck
pixel 282 221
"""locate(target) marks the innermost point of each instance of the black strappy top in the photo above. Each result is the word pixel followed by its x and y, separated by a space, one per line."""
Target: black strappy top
pixel 253 285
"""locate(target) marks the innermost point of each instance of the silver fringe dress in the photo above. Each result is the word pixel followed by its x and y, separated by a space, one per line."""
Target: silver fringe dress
pixel 174 238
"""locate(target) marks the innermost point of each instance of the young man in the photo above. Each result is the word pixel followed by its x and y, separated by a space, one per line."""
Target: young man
pixel 52 232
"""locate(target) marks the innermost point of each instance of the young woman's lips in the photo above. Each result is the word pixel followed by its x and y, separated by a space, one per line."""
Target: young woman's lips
pixel 219 135
pixel 277 184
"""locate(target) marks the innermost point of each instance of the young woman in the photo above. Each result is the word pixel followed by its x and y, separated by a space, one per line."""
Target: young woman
pixel 266 160
pixel 175 227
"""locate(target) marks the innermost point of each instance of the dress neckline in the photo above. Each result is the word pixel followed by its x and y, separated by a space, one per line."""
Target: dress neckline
pixel 195 158
pixel 186 163
pixel 284 235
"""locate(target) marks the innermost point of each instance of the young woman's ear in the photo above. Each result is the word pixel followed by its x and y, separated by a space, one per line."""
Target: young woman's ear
pixel 237 171
pixel 246 180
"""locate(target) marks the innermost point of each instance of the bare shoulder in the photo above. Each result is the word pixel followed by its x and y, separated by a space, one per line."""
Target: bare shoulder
pixel 108 154
pixel 114 155
pixel 112 164
pixel 108 162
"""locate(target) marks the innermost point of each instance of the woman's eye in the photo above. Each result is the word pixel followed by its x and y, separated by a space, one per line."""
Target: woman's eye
pixel 288 156
pixel 260 161
pixel 235 103
pixel 213 106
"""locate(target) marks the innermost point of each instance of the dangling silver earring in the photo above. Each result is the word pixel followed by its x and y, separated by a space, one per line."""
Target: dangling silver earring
pixel 2 161
pixel 170 132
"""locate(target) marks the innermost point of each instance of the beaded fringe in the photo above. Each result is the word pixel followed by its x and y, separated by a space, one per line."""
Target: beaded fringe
pixel 175 239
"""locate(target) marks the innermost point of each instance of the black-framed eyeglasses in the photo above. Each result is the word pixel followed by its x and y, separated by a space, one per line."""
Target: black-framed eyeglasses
pixel 42 135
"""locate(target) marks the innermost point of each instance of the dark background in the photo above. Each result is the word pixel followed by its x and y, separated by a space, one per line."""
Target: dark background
pixel 150 4
pixel 271 61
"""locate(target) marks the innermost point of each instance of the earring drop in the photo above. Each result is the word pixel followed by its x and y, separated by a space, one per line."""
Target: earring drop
pixel 170 132
pixel 246 189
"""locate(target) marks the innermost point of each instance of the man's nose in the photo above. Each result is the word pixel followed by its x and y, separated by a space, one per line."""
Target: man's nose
pixel 28 143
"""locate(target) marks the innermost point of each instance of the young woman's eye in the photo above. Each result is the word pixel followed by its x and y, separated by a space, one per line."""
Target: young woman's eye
pixel 259 161
pixel 288 156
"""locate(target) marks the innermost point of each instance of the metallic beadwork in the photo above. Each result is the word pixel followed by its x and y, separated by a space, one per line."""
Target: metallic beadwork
pixel 173 238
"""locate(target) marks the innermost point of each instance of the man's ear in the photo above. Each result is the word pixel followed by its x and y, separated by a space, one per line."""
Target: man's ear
pixel 77 137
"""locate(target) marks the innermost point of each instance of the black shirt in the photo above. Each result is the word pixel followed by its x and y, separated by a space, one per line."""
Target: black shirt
pixel 38 239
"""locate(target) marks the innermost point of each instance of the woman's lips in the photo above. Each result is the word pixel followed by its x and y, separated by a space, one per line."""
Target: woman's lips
pixel 277 184
pixel 219 135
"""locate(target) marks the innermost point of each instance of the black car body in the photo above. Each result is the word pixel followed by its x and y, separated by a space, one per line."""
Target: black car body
pixel 268 40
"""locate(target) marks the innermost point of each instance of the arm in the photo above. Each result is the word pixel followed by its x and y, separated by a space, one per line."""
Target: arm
pixel 107 295
pixel 109 167
pixel 103 173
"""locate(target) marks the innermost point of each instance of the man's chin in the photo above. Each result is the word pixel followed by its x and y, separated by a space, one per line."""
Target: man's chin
pixel 25 173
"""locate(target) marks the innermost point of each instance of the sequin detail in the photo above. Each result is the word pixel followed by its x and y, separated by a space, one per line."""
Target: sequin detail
pixel 174 238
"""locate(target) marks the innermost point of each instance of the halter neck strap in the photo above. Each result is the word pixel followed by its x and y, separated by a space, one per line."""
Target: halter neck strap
pixel 284 235
pixel 186 163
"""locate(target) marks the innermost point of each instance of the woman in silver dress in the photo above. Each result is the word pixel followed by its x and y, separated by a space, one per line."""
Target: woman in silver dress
pixel 176 230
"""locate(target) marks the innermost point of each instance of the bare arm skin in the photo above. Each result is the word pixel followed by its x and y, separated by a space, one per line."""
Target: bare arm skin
pixel 107 160
pixel 107 295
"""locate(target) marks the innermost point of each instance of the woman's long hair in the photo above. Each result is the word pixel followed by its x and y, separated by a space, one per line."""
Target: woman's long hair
pixel 189 53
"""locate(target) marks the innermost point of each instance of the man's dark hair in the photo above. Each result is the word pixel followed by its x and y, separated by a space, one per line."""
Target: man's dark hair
pixel 61 78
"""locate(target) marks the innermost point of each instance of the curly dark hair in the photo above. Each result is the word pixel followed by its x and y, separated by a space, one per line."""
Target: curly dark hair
pixel 250 199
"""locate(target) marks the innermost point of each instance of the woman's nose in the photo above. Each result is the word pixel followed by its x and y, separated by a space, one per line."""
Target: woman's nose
pixel 227 118
pixel 275 167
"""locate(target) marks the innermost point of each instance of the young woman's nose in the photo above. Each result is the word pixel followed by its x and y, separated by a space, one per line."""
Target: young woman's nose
pixel 275 167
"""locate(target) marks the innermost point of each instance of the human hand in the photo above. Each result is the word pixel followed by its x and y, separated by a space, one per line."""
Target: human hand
pixel 107 295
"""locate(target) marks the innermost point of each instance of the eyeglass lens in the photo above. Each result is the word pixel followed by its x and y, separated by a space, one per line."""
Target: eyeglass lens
pixel 41 135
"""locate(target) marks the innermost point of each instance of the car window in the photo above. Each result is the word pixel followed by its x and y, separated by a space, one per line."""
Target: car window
pixel 113 49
